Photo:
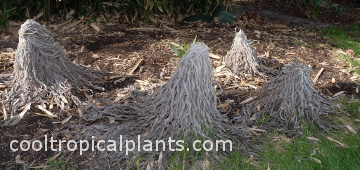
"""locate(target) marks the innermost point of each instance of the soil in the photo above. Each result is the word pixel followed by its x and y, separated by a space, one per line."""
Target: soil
pixel 118 47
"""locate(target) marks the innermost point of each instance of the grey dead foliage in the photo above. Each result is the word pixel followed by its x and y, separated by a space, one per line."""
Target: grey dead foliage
pixel 243 60
pixel 42 72
pixel 182 109
pixel 290 99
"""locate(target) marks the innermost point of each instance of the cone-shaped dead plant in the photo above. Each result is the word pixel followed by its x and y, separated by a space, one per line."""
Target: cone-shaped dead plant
pixel 182 109
pixel 42 71
pixel 290 99
pixel 242 59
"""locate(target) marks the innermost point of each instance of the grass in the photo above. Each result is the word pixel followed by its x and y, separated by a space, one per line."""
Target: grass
pixel 51 163
pixel 347 37
pixel 301 153
pixel 280 152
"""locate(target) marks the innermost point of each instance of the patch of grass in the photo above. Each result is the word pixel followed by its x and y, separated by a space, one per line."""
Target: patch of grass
pixel 280 152
pixel 301 153
pixel 59 164
pixel 347 37
pixel 352 107
pixel 354 62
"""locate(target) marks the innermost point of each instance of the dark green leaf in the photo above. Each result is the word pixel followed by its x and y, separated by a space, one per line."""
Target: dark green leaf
pixel 195 18
pixel 177 52
pixel 225 17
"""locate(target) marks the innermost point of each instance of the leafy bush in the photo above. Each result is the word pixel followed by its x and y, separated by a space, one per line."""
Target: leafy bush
pixel 132 10
pixel 317 5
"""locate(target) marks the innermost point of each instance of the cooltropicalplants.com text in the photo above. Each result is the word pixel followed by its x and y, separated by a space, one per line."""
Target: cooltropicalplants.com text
pixel 121 145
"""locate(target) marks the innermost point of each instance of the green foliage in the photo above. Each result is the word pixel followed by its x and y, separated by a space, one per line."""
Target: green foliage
pixel 318 5
pixel 180 50
pixel 223 17
pixel 5 12
pixel 132 10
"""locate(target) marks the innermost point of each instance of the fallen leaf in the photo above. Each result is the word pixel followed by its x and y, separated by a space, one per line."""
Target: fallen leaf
pixel 146 133
pixel 63 98
pixel 80 112
pixel 316 160
pixel 111 120
pixel 211 55
pixel 339 93
pixel 66 120
pixel 352 130
pixel 97 28
pixel 18 160
pixel 313 139
pixel 50 114
pixel 54 157
pixel 339 143
pixel 350 52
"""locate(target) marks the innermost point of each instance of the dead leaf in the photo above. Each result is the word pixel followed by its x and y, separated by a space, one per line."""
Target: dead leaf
pixel 145 29
pixel 313 139
pixel 80 112
pixel 350 52
pixel 54 157
pixel 316 160
pixel 4 112
pixel 95 56
pixel 146 133
pixel 352 130
pixel 41 167
pixel 247 100
pixel 71 25
pixel 160 159
pixel 338 93
pixel 211 55
pixel 97 28
pixel 43 130
pixel 18 160
pixel 66 120
pixel 339 143
pixel 111 120
pixel 63 98
pixel 50 114
pixel 257 130
pixel 258 107
pixel 252 118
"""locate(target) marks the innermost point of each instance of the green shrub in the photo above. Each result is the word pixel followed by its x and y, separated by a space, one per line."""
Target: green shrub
pixel 20 10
